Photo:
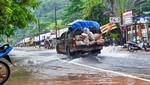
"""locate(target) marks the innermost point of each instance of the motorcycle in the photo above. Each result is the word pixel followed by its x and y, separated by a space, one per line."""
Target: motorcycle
pixel 132 46
pixel 4 68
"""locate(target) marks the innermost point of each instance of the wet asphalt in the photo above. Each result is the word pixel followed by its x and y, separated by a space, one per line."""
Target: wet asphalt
pixel 114 66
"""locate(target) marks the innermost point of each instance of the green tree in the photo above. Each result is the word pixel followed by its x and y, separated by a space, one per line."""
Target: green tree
pixel 86 9
pixel 94 10
pixel 121 6
pixel 1 39
pixel 15 14
pixel 140 6
pixel 74 10
pixel 46 13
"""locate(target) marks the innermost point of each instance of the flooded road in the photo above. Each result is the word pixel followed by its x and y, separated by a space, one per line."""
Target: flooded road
pixel 46 67
pixel 136 63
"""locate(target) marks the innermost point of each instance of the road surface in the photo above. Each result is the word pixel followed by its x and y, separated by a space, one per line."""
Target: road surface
pixel 112 67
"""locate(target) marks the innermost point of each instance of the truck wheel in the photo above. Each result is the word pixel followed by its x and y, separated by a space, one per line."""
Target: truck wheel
pixel 69 54
pixel 57 49
pixel 96 52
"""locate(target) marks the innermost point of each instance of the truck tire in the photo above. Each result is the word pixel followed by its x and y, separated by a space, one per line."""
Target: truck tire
pixel 69 54
pixel 57 49
pixel 96 52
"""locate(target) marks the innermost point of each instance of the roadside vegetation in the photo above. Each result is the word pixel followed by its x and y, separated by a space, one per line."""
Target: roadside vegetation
pixel 20 17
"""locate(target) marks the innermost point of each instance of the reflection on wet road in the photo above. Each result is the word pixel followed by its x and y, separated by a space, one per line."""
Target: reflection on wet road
pixel 136 64
pixel 82 79
pixel 46 67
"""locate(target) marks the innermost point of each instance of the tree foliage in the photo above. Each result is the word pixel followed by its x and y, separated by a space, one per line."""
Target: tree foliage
pixel 140 7
pixel 94 10
pixel 66 12
pixel 86 9
pixel 46 16
pixel 74 10
pixel 121 6
pixel 15 14
pixel 45 12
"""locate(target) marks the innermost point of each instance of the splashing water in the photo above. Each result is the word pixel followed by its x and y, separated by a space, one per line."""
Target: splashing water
pixel 114 51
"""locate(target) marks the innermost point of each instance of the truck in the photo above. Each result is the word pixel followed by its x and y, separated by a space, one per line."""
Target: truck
pixel 67 43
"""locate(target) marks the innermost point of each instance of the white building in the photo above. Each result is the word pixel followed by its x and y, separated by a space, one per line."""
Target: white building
pixel 47 36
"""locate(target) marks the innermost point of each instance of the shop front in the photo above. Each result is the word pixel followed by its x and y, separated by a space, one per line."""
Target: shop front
pixel 134 28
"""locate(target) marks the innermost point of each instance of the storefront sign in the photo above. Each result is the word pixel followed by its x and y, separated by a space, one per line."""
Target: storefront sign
pixel 114 19
pixel 143 19
pixel 127 18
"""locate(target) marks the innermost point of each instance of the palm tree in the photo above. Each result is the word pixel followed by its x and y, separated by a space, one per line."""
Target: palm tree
pixel 111 3
pixel 139 5
pixel 109 7
pixel 121 6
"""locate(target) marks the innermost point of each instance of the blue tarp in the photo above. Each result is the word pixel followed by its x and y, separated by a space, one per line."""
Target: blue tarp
pixel 81 24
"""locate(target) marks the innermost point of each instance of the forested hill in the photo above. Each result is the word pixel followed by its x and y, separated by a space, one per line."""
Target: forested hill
pixel 47 7
pixel 46 15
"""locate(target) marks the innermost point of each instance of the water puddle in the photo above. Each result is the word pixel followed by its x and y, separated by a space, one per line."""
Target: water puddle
pixel 21 77
pixel 46 69
pixel 17 76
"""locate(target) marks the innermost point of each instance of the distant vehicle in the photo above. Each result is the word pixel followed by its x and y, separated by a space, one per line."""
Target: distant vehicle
pixel 46 44
pixel 67 44
pixel 37 43
pixel 49 44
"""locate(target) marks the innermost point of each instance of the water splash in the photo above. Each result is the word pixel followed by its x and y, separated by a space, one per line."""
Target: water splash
pixel 112 49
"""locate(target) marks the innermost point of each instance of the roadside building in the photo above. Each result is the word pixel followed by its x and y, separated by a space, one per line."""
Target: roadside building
pixel 135 27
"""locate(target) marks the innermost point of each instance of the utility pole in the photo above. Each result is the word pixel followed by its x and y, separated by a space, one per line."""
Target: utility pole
pixel 55 20
pixel 38 24
pixel 135 23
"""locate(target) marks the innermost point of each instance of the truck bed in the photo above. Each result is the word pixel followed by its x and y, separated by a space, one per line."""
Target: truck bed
pixel 86 48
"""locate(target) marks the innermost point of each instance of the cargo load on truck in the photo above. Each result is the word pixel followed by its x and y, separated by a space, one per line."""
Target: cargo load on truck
pixel 86 32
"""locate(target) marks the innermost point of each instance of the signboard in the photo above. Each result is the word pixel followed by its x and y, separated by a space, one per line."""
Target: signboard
pixel 127 18
pixel 107 27
pixel 143 19
pixel 114 19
